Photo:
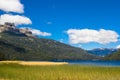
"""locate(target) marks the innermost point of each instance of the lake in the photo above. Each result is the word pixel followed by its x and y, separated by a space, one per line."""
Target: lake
pixel 96 63
pixel 91 62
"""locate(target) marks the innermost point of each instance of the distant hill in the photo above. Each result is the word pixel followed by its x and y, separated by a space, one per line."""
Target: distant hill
pixel 102 51
pixel 113 56
pixel 14 46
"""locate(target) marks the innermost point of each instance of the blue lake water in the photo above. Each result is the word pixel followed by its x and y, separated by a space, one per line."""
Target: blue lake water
pixel 90 62
pixel 96 63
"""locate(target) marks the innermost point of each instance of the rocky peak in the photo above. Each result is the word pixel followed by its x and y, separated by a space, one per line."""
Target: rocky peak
pixel 12 28
pixel 9 25
pixel 26 31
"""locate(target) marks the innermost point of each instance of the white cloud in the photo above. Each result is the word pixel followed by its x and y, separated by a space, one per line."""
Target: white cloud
pixel 11 6
pixel 49 22
pixel 17 19
pixel 101 36
pixel 118 47
pixel 38 32
pixel 80 45
pixel 61 40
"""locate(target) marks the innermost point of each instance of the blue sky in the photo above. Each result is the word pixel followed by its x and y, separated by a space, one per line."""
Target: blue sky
pixel 58 16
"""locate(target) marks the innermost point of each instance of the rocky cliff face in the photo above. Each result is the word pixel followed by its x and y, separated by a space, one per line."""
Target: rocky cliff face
pixel 12 28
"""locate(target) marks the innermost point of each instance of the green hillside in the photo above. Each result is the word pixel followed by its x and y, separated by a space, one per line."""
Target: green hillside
pixel 21 47
pixel 113 56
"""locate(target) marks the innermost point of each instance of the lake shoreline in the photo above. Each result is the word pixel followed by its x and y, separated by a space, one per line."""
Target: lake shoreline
pixel 80 62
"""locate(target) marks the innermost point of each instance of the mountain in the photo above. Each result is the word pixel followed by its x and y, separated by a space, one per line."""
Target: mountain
pixel 102 51
pixel 113 56
pixel 16 45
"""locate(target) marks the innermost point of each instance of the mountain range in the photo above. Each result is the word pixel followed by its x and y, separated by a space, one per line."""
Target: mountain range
pixel 21 44
pixel 102 51
pixel 16 44
pixel 113 56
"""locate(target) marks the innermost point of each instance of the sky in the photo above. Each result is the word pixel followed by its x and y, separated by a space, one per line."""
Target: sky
pixel 87 24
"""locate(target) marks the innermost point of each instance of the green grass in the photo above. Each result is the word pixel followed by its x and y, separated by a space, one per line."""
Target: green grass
pixel 61 72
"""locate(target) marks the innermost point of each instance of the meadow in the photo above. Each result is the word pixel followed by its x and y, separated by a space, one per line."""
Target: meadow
pixel 14 71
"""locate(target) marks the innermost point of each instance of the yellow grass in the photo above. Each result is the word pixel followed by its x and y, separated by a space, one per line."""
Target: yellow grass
pixel 4 79
pixel 33 63
pixel 14 71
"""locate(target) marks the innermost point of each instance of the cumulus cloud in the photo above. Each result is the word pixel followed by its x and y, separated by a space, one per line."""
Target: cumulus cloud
pixel 17 19
pixel 11 6
pixel 118 47
pixel 38 32
pixel 101 36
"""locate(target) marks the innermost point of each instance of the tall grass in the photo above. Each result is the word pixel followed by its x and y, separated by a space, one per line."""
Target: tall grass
pixel 58 72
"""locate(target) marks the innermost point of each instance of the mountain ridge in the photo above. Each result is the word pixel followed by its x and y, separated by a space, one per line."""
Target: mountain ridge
pixel 102 51
pixel 33 48
pixel 113 56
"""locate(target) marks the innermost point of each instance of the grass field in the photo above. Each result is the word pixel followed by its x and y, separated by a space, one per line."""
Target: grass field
pixel 14 71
